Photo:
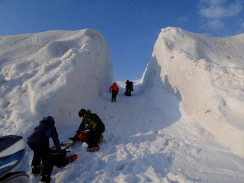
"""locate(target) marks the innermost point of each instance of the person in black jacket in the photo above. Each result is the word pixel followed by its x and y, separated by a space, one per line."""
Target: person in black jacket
pixel 38 141
pixel 129 88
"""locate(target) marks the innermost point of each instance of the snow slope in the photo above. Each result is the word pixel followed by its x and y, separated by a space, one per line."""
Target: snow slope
pixel 40 71
pixel 156 135
pixel 207 74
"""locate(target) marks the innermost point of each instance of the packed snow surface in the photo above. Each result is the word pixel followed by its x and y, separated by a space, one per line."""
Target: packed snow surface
pixel 184 122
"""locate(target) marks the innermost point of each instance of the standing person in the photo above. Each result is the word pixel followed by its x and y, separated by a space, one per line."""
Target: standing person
pixel 129 88
pixel 93 127
pixel 38 141
pixel 115 89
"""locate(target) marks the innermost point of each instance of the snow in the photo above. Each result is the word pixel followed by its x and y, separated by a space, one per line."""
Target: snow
pixel 184 122
pixel 41 82
pixel 207 75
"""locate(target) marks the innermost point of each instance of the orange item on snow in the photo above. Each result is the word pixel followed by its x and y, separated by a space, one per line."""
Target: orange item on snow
pixel 83 136
pixel 72 158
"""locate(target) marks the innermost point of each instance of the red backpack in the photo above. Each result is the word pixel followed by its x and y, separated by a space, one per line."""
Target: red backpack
pixel 82 136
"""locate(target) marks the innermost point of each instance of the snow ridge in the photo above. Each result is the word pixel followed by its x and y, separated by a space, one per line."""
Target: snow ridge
pixel 207 75
pixel 44 70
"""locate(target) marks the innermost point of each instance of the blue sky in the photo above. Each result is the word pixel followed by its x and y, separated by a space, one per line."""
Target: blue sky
pixel 130 27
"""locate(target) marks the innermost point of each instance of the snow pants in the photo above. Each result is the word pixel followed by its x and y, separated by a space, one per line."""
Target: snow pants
pixel 93 139
pixel 41 154
pixel 114 95
pixel 128 92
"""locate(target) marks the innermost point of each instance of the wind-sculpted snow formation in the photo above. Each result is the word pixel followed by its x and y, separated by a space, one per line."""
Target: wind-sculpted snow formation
pixel 46 74
pixel 207 74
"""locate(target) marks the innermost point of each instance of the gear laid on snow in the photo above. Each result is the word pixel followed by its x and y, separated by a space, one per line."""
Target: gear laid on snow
pixel 83 136
pixel 72 158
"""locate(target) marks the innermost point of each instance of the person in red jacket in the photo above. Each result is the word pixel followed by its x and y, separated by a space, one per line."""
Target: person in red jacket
pixel 115 89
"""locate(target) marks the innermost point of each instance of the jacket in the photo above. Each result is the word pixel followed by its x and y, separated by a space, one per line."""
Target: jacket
pixel 43 132
pixel 114 87
pixel 92 122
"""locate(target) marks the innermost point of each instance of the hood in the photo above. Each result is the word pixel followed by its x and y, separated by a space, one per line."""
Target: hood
pixel 48 121
pixel 88 111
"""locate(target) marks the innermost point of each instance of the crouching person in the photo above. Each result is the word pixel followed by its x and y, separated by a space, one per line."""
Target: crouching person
pixel 38 141
pixel 90 130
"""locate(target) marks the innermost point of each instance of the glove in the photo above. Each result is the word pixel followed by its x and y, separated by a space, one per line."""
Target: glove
pixel 64 152
pixel 74 138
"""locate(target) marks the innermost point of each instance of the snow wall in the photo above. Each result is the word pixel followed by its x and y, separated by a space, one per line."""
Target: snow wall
pixel 52 73
pixel 207 74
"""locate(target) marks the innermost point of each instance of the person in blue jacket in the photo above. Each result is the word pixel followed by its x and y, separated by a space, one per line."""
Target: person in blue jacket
pixel 38 141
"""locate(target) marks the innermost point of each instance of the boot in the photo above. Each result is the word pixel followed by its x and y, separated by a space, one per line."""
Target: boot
pixel 72 158
pixel 93 149
pixel 36 169
pixel 45 179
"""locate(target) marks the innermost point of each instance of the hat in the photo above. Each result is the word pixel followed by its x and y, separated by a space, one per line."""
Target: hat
pixel 81 112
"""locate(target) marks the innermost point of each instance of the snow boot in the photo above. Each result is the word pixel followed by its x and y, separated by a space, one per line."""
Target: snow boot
pixel 93 149
pixel 45 179
pixel 72 158
pixel 36 169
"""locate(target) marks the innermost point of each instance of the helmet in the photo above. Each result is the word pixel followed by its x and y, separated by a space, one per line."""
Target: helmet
pixel 81 112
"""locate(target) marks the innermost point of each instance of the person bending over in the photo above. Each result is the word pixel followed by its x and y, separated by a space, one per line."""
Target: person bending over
pixel 90 130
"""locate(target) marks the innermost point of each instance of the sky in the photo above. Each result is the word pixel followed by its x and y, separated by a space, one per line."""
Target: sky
pixel 131 27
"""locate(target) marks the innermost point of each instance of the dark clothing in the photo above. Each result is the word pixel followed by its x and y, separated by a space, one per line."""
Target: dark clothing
pixel 59 160
pixel 38 141
pixel 93 139
pixel 127 92
pixel 41 154
pixel 114 95
pixel 129 87
pixel 94 124
pixel 43 132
